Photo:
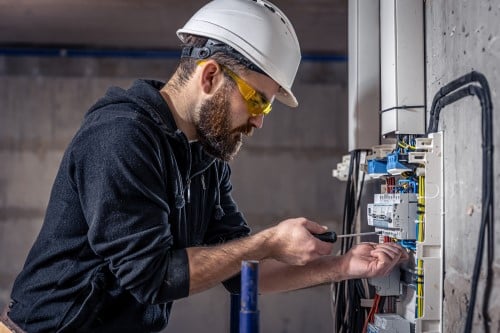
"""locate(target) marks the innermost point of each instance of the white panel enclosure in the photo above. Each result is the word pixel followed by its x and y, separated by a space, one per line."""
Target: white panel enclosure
pixel 402 67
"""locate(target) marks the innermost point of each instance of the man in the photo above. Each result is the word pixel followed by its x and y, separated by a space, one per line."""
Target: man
pixel 141 212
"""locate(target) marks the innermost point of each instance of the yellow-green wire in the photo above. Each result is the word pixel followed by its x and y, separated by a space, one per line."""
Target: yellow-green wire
pixel 420 238
pixel 405 145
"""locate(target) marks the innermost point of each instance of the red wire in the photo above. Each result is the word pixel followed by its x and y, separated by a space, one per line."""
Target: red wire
pixel 371 314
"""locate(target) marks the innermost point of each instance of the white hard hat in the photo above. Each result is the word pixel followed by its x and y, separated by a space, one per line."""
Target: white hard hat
pixel 259 31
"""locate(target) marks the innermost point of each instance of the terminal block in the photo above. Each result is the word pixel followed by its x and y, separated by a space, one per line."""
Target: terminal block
pixel 389 323
pixel 342 168
pixel 394 165
pixel 394 214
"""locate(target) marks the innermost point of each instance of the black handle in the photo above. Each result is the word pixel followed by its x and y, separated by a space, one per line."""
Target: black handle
pixel 329 236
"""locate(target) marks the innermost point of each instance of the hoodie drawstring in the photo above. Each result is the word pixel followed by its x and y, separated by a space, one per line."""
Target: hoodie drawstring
pixel 219 212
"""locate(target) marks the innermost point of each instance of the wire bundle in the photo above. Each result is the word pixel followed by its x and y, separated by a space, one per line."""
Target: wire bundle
pixel 348 314
pixel 448 94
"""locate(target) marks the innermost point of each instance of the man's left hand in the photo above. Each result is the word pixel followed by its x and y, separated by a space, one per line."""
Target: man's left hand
pixel 372 259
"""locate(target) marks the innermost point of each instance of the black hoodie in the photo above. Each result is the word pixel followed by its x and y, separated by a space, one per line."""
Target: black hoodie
pixel 130 196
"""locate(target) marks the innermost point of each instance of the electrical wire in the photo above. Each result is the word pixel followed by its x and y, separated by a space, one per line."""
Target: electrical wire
pixel 420 238
pixel 451 93
pixel 348 313
pixel 373 310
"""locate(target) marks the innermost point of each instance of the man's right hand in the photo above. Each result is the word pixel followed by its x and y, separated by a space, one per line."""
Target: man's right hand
pixel 292 242
pixel 291 245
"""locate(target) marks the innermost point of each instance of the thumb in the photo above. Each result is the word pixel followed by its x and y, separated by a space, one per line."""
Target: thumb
pixel 315 228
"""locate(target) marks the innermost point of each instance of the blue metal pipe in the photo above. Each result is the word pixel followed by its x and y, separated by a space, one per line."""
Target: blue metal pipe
pixel 249 313
pixel 234 323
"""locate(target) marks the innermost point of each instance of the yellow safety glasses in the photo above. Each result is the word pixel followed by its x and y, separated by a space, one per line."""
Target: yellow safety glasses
pixel 257 104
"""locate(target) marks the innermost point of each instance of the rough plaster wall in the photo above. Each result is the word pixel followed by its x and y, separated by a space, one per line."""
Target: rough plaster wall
pixel 464 36
pixel 283 171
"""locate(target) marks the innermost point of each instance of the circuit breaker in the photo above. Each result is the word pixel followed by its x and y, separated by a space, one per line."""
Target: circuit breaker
pixel 394 214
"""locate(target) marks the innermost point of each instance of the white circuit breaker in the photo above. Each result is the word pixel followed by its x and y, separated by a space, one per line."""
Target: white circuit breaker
pixel 394 214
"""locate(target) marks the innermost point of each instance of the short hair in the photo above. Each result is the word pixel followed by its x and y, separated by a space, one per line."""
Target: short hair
pixel 187 65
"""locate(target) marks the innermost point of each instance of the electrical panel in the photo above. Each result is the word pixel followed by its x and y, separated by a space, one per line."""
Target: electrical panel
pixel 407 209
pixel 404 176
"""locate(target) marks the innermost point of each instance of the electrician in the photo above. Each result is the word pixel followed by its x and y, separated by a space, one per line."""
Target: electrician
pixel 141 212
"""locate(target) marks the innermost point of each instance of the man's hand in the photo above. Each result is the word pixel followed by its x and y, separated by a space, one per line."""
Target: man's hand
pixel 291 242
pixel 371 259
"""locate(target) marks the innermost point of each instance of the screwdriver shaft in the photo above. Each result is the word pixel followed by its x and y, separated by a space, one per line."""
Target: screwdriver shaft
pixel 359 234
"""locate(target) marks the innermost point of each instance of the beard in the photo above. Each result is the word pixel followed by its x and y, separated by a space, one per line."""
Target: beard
pixel 214 127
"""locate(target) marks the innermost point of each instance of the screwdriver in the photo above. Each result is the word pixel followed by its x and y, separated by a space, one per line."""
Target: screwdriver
pixel 331 236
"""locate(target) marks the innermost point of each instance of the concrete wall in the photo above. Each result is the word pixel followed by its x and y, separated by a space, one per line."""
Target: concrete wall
pixel 464 36
pixel 283 171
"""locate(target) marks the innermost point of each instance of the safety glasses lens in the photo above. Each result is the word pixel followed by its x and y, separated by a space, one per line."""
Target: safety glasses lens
pixel 257 104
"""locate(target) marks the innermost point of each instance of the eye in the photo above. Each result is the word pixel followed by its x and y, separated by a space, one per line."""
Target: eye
pixel 254 103
pixel 260 99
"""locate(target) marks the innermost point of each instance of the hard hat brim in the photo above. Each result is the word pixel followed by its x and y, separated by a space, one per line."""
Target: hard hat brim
pixel 287 98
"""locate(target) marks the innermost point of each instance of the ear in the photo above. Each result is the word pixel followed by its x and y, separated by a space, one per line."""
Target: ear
pixel 211 77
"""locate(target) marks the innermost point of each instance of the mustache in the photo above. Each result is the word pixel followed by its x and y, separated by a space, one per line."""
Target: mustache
pixel 244 129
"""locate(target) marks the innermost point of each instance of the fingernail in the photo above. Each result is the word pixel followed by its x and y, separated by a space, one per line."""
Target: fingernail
pixel 325 227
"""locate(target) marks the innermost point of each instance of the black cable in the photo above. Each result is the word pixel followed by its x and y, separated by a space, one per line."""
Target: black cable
pixel 469 90
pixel 382 303
pixel 446 96
pixel 349 314
pixel 454 85
pixel 403 107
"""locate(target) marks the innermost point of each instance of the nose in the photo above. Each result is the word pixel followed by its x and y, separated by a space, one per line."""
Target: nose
pixel 257 121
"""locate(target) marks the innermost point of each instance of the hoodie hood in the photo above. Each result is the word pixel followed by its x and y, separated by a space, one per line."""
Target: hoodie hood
pixel 146 95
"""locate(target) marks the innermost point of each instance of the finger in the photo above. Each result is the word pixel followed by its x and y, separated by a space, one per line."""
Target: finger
pixel 383 266
pixel 369 243
pixel 397 248
pixel 363 249
pixel 392 247
pixel 314 227
pixel 404 257
pixel 386 252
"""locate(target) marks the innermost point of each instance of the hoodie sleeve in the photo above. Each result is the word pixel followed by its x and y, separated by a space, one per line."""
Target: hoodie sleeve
pixel 120 180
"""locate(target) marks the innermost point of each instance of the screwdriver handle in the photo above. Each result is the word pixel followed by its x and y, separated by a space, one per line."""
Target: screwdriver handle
pixel 329 236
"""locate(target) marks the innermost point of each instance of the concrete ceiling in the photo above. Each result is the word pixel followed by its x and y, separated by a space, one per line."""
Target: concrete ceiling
pixel 321 25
